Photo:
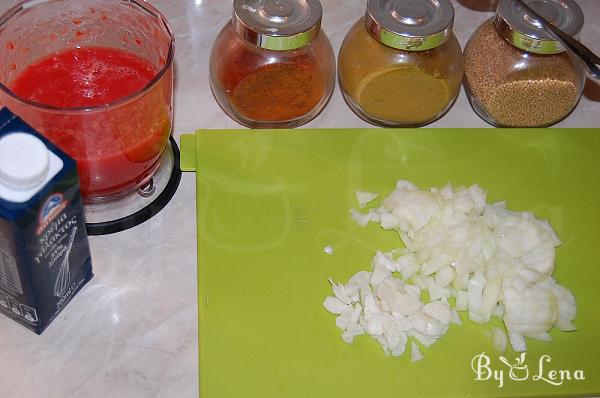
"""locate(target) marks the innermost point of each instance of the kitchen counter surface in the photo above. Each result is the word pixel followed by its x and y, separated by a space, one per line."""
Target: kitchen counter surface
pixel 132 331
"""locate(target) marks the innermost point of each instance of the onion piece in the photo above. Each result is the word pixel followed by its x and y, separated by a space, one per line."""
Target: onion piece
pixel 364 198
pixel 334 305
pixel 415 352
pixel 499 339
pixel 360 218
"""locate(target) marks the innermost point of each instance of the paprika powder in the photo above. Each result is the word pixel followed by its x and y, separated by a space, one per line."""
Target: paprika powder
pixel 272 66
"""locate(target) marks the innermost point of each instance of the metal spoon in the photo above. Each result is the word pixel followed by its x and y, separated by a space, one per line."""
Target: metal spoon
pixel 590 61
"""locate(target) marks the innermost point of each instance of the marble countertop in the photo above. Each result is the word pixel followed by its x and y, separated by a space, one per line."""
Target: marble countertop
pixel 132 331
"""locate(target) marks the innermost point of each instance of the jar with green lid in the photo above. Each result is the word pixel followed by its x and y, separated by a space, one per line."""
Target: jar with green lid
pixel 401 65
pixel 516 74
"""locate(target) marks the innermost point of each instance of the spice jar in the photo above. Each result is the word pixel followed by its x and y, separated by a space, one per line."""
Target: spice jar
pixel 272 66
pixel 517 75
pixel 401 65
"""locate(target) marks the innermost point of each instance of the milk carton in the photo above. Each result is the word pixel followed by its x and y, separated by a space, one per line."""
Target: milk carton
pixel 44 253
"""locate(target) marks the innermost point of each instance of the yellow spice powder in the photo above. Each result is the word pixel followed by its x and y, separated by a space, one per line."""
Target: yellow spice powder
pixel 396 87
pixel 405 94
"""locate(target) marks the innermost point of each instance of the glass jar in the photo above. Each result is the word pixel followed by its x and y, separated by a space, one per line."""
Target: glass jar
pixel 272 66
pixel 516 74
pixel 118 144
pixel 401 65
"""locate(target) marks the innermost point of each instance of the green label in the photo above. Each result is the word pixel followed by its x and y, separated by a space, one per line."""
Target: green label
pixel 537 46
pixel 412 43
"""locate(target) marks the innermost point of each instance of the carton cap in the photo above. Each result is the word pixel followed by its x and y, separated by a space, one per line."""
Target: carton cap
pixel 24 161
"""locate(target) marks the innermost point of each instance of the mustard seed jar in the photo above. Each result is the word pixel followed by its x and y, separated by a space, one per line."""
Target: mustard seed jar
pixel 272 66
pixel 516 74
pixel 401 65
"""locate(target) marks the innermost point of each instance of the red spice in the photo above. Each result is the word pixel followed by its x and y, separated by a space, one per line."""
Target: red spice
pixel 271 92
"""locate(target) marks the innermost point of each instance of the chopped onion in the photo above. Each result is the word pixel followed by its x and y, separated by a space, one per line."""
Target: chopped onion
pixel 499 339
pixel 364 198
pixel 455 317
pixel 389 309
pixel 360 218
pixel 494 261
pixel 415 353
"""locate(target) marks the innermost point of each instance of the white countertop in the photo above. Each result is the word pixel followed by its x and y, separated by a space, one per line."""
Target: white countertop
pixel 132 331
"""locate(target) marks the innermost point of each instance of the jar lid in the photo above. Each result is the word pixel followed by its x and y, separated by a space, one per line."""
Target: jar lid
pixel 413 25
pixel 277 24
pixel 525 32
pixel 24 161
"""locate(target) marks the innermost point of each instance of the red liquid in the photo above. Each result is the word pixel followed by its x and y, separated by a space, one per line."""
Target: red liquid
pixel 115 147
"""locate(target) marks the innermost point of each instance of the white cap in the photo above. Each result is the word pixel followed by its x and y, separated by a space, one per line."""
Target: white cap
pixel 24 161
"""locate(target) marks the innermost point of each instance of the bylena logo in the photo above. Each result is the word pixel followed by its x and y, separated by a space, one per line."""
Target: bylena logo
pixel 518 370
pixel 51 208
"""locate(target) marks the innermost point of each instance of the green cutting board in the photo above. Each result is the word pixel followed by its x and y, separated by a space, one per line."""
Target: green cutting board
pixel 268 202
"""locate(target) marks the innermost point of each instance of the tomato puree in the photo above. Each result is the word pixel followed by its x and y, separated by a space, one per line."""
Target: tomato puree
pixel 115 146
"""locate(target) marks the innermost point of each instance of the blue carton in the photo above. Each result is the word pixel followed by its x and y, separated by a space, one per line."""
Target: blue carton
pixel 44 253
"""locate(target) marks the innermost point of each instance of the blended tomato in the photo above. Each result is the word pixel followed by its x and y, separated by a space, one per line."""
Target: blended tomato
pixel 115 147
